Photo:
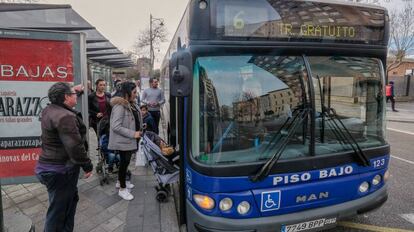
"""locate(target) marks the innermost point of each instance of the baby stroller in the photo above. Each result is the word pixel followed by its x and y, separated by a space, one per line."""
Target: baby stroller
pixel 164 167
pixel 107 159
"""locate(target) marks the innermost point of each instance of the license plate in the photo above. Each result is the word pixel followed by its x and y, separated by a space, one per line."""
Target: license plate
pixel 309 225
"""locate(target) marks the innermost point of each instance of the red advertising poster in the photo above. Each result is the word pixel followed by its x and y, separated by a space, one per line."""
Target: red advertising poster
pixel 35 60
pixel 27 70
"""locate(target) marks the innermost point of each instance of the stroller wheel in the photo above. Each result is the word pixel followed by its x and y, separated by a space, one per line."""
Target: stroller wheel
pixel 102 182
pixel 98 169
pixel 162 196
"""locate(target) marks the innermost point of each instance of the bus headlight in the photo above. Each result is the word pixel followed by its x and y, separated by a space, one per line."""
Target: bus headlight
pixel 202 4
pixel 205 202
pixel 243 207
pixel 363 188
pixel 376 180
pixel 225 204
pixel 386 175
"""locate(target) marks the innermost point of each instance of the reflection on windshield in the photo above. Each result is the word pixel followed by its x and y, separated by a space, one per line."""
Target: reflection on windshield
pixel 351 86
pixel 243 107
pixel 242 104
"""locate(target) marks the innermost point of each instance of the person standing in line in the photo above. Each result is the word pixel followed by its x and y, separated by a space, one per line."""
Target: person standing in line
pixel 125 130
pixel 64 152
pixel 389 92
pixel 99 104
pixel 154 98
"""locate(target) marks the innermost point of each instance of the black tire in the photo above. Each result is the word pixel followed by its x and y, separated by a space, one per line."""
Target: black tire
pixel 162 196
pixel 101 182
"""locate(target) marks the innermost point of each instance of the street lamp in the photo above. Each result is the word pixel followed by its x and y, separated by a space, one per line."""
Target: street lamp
pixel 152 56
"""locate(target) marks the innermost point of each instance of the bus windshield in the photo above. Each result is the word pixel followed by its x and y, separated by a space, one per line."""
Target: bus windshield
pixel 246 107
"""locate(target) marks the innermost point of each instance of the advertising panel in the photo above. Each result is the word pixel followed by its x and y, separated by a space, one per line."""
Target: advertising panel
pixel 30 62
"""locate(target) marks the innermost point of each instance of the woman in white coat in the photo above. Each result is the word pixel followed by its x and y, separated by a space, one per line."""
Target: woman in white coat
pixel 125 130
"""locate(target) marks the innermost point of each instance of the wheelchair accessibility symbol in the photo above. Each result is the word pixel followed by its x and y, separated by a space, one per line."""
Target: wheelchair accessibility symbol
pixel 270 201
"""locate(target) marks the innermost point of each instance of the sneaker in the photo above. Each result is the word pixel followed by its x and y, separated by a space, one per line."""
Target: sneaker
pixel 125 194
pixel 128 185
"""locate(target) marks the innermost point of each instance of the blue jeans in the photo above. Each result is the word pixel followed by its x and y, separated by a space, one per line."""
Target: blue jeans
pixel 63 198
pixel 112 159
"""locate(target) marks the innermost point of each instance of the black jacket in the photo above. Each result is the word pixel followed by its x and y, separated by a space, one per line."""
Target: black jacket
pixel 64 137
pixel 93 107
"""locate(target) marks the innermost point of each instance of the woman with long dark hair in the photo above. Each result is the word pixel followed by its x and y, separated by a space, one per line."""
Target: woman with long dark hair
pixel 125 129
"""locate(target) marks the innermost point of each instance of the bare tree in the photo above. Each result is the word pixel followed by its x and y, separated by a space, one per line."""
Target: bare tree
pixel 401 35
pixel 150 39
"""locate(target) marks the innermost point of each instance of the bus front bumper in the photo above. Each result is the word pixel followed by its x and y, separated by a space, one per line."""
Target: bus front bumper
pixel 198 222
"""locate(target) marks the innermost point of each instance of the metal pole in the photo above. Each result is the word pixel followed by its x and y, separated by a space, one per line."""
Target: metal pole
pixel 151 53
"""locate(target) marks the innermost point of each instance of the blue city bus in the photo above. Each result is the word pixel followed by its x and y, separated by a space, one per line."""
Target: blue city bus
pixel 276 108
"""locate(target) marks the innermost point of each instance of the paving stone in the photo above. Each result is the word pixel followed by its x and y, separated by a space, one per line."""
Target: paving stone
pixel 85 226
pixel 169 220
pixel 12 188
pixel 23 197
pixel 44 197
pixel 40 226
pixel 33 187
pixel 81 217
pixel 93 209
pixel 121 206
pixel 35 209
pixel 112 224
pixel 29 203
pixel 134 219
pixel 98 229
pixel 135 228
pixel 95 195
pixel 39 216
pixel 17 193
pixel 84 187
pixel 121 228
pixel 101 217
pixel 109 201
pixel 39 191
pixel 122 215
pixel 151 228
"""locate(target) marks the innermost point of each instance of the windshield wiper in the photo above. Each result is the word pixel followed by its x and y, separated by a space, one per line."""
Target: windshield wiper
pixel 265 169
pixel 331 114
pixel 346 137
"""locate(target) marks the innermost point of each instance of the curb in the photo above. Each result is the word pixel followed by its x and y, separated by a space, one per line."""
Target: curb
pixel 398 120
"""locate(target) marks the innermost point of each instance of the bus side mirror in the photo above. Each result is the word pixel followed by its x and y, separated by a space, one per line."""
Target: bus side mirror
pixel 181 80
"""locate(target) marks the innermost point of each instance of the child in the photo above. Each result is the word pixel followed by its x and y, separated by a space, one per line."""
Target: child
pixel 165 149
pixel 110 156
pixel 148 120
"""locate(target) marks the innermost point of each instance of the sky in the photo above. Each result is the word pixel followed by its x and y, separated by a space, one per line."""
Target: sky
pixel 121 20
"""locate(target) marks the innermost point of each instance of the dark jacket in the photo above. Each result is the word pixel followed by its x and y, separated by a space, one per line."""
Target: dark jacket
pixel 93 107
pixel 64 137
pixel 149 121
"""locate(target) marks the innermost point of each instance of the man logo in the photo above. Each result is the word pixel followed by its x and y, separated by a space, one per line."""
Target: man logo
pixel 312 197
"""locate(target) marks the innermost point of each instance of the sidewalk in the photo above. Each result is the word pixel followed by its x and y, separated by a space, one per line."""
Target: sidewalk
pixel 100 209
pixel 405 112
